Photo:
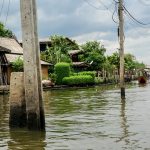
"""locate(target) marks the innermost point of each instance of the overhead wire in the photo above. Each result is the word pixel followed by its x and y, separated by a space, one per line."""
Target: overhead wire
pixel 106 8
pixel 7 12
pixel 130 15
pixel 1 10
pixel 98 8
pixel 115 11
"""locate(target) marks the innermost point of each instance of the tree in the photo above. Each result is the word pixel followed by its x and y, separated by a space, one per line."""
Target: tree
pixel 139 65
pixel 93 54
pixel 129 62
pixel 109 67
pixel 5 32
pixel 58 51
pixel 115 60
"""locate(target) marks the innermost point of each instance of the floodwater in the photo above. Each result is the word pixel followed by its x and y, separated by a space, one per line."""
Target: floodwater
pixel 85 119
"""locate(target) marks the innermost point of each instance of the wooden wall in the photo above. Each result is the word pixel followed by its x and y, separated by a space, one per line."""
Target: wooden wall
pixel 44 72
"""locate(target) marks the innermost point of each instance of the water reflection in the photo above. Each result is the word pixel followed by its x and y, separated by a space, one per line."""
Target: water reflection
pixel 3 105
pixel 124 126
pixel 25 140
pixel 70 101
pixel 3 109
pixel 91 118
pixel 126 135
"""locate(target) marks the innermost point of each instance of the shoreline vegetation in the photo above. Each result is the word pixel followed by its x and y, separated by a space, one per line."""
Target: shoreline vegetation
pixel 80 65
pixel 5 89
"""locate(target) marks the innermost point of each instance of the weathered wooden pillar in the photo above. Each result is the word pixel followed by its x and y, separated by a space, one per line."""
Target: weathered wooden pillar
pixel 17 116
pixel 32 67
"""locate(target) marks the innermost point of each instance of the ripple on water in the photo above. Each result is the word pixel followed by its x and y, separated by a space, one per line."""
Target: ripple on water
pixel 81 119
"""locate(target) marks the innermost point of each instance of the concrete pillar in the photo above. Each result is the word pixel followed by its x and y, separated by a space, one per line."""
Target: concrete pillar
pixel 17 101
pixel 32 71
pixel 41 106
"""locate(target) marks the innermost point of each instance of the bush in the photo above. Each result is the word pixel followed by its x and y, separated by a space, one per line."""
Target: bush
pixel 53 77
pixel 91 73
pixel 78 80
pixel 99 80
pixel 61 70
pixel 17 65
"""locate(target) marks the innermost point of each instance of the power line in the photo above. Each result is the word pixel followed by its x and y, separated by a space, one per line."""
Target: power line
pixel 142 23
pixel 7 12
pixel 98 8
pixel 106 8
pixel 1 8
pixel 115 11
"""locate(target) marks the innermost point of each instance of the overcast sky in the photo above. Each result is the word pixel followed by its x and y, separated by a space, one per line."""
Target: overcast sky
pixel 86 20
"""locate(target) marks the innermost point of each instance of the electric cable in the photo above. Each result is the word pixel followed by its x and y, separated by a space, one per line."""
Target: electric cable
pixel 1 8
pixel 7 12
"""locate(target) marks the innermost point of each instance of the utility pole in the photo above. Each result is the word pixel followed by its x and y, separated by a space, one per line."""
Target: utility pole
pixel 32 66
pixel 121 50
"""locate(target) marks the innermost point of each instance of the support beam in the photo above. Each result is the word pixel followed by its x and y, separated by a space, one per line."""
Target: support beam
pixel 121 50
pixel 32 67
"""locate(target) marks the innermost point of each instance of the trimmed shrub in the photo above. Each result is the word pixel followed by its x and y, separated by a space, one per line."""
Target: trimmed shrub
pixel 78 80
pixel 53 77
pixel 91 73
pixel 61 70
pixel 99 80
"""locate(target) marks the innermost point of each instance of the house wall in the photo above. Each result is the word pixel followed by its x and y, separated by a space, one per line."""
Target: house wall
pixel 44 72
pixel 9 70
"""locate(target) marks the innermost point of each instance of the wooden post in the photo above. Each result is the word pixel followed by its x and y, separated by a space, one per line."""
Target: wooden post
pixel 121 50
pixel 32 66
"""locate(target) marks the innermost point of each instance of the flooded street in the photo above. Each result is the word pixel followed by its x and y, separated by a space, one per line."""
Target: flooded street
pixel 85 119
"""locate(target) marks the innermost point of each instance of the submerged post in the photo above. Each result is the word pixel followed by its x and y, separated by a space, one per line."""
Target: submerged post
pixel 121 52
pixel 32 67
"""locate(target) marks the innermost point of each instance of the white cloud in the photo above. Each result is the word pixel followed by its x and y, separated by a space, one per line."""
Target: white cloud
pixel 77 19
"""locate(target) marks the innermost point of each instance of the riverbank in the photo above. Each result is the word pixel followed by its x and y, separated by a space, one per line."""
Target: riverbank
pixel 5 88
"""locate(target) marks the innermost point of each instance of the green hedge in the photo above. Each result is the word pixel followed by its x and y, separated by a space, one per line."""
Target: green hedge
pixel 61 70
pixel 91 73
pixel 78 80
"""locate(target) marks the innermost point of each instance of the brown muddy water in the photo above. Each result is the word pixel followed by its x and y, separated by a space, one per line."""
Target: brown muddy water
pixel 85 119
